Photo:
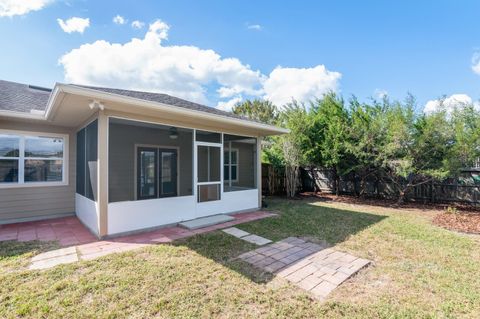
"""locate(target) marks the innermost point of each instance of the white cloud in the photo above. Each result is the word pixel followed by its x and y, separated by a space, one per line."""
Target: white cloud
pixel 285 84
pixel 74 24
pixel 228 105
pixel 449 103
pixel 254 27
pixel 188 71
pixel 476 62
pixel 147 64
pixel 10 8
pixel 380 93
pixel 137 24
pixel 118 19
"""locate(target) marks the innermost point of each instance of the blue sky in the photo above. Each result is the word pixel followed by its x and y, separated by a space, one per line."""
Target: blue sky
pixel 354 47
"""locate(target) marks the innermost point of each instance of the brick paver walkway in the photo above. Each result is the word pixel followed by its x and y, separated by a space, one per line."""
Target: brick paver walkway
pixel 69 232
pixel 310 266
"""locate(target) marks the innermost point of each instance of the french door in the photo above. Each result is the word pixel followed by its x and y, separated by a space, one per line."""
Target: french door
pixel 157 172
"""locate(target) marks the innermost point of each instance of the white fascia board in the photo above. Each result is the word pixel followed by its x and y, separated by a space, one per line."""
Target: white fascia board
pixel 22 115
pixel 72 89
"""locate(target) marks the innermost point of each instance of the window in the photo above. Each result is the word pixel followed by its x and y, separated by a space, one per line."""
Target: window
pixel 29 159
pixel 239 163
pixel 230 165
pixel 9 158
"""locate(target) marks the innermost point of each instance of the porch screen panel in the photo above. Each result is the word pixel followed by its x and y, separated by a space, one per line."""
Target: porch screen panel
pixel 87 139
pixel 91 160
pixel 208 167
pixel 81 162
pixel 239 163
pixel 126 137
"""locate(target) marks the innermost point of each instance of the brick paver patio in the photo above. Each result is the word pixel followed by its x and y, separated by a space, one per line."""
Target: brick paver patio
pixel 310 266
pixel 69 232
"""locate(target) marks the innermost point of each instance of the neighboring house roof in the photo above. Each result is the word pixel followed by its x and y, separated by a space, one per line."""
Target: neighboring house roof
pixel 17 97
pixel 24 98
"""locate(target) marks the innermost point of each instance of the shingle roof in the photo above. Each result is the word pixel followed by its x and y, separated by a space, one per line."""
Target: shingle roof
pixel 166 99
pixel 24 98
pixel 19 97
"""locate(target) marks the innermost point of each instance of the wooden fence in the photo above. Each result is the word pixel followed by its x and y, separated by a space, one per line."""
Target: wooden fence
pixel 464 190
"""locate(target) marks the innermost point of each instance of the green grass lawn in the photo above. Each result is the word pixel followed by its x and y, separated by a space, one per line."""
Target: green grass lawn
pixel 419 270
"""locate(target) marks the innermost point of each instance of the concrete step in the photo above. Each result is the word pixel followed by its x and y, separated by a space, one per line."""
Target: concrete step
pixel 206 221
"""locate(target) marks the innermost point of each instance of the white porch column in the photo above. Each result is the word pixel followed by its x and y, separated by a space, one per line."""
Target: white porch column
pixel 102 175
pixel 259 170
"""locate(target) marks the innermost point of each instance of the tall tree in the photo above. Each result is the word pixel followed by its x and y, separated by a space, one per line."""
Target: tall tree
pixel 417 147
pixel 366 135
pixel 259 110
pixel 328 133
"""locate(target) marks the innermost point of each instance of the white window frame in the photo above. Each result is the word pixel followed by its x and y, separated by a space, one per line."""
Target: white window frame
pixel 229 151
pixel 21 159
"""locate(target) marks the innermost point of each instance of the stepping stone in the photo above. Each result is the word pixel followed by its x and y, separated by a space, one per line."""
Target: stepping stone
pixel 312 267
pixel 51 262
pixel 206 221
pixel 55 253
pixel 234 231
pixel 54 258
pixel 257 240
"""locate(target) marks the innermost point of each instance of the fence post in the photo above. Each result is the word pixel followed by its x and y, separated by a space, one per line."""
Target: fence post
pixel 432 192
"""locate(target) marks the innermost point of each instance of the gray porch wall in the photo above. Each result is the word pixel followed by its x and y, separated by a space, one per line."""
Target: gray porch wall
pixel 121 158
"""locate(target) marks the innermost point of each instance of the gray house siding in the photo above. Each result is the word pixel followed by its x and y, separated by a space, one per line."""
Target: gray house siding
pixel 33 203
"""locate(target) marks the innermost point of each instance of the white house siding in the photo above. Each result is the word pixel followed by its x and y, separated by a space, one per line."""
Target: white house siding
pixel 34 203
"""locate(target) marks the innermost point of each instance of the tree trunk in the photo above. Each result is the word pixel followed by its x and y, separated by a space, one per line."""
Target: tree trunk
pixel 291 180
pixel 337 181
pixel 362 186
pixel 401 198
pixel 314 178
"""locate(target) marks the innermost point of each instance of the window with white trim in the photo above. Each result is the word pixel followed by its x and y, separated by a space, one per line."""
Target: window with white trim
pixel 230 165
pixel 239 163
pixel 31 159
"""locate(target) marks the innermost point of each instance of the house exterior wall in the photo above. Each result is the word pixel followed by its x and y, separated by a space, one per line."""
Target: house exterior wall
pixel 34 203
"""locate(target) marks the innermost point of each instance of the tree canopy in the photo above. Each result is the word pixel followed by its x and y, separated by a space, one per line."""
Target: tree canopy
pixel 389 139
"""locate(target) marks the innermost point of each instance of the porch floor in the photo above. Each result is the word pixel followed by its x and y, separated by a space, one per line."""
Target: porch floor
pixel 69 232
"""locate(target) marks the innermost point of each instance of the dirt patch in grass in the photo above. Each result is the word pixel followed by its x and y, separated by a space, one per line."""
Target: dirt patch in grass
pixel 462 222
pixel 390 203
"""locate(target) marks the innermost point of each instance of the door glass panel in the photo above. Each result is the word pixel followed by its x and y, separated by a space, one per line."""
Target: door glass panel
pixel 168 173
pixel 147 173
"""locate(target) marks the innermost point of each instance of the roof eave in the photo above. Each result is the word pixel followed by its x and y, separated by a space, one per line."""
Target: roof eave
pixel 73 89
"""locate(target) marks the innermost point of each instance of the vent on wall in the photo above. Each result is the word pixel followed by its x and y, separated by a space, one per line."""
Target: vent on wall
pixel 39 88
